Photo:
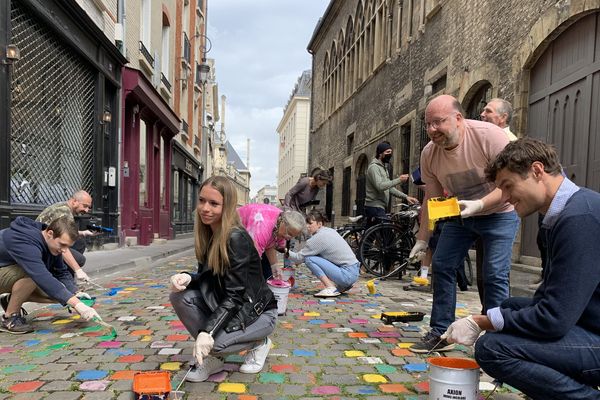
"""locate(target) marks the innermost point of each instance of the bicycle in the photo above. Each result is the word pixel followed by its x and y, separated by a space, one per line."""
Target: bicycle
pixel 352 232
pixel 384 248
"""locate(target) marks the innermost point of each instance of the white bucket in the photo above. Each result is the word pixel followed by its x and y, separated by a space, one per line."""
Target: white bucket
pixel 453 378
pixel 281 290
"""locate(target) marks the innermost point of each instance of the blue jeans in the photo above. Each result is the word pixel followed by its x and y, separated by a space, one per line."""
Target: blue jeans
pixel 343 277
pixel 563 369
pixel 497 232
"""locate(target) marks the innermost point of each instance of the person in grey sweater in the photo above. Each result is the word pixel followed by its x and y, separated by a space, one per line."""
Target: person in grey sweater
pixel 379 186
pixel 328 256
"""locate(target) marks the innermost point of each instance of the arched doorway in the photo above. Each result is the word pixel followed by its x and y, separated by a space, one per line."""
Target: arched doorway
pixel 361 183
pixel 564 108
pixel 476 99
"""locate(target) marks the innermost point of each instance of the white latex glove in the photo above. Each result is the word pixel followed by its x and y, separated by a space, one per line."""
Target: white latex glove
pixel 83 295
pixel 87 232
pixel 180 281
pixel 203 346
pixel 86 312
pixel 276 271
pixel 81 275
pixel 463 331
pixel 468 208
pixel 418 250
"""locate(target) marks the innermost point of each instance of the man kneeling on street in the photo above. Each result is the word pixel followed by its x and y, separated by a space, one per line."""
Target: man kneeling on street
pixel 547 346
pixel 32 269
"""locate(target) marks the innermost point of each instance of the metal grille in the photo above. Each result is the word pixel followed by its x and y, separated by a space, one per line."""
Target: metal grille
pixel 52 115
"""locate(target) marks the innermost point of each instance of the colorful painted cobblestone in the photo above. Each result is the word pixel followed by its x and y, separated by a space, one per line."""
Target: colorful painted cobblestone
pixel 323 348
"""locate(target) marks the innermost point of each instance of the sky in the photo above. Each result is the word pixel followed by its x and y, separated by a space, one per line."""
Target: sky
pixel 259 47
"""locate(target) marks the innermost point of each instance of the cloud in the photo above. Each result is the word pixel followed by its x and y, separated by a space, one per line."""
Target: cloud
pixel 259 49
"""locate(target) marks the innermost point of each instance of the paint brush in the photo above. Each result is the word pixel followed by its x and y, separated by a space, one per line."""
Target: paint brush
pixel 176 392
pixel 97 285
pixel 113 331
pixel 436 345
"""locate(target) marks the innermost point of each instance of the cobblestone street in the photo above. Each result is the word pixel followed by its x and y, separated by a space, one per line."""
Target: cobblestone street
pixel 335 348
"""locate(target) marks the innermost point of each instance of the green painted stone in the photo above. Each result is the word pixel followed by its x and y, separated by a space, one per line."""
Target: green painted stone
pixel 170 318
pixel 270 377
pixel 41 353
pixel 93 328
pixel 58 346
pixel 385 369
pixel 234 358
pixel 18 368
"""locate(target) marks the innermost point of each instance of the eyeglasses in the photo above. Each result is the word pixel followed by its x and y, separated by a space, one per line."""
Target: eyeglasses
pixel 436 123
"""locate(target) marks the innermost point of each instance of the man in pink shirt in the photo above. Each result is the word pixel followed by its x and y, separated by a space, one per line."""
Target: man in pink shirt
pixel 455 160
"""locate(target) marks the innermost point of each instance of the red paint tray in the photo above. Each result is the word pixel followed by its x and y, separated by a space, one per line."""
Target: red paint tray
pixel 154 383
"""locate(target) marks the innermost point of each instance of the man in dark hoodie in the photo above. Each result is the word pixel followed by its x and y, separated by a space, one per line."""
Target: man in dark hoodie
pixel 32 269
pixel 547 346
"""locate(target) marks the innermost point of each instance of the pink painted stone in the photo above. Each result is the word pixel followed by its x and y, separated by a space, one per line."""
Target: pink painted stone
pixel 326 390
pixel 6 350
pixel 298 310
pixel 360 301
pixel 358 321
pixel 110 345
pixel 311 302
pixel 94 386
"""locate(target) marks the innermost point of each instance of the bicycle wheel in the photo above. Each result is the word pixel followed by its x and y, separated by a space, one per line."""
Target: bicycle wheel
pixel 385 247
pixel 468 270
pixel 352 237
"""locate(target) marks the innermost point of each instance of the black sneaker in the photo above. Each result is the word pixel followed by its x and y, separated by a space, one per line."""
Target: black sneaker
pixel 15 324
pixel 431 342
pixel 5 299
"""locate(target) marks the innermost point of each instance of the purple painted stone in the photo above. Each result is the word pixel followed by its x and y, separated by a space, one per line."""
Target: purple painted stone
pixel 231 367
pixel 358 321
pixel 218 377
pixel 110 345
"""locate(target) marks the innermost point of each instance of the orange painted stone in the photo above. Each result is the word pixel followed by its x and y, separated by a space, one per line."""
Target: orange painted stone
pixel 133 358
pixel 389 340
pixel 393 388
pixel 401 352
pixel 123 375
pixel 141 332
pixel 422 387
pixel 295 295
pixel 357 335
pixel 328 326
pixel 247 397
pixel 25 387
pixel 177 338
pixel 281 368
pixel 386 328
pixel 287 325
pixel 304 318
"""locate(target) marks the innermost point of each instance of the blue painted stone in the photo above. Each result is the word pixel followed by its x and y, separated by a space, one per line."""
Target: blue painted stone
pixel 157 286
pixel 410 328
pixel 44 331
pixel 419 367
pixel 317 321
pixel 370 305
pixel 367 390
pixel 304 353
pixel 33 342
pixel 91 375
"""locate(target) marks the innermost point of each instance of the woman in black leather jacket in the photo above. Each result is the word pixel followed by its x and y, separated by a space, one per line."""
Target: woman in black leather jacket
pixel 226 305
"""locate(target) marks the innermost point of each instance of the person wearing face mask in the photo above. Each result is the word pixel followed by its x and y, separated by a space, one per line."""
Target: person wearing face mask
pixel 379 186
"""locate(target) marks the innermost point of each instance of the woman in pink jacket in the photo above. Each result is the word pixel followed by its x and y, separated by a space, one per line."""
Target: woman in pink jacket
pixel 270 227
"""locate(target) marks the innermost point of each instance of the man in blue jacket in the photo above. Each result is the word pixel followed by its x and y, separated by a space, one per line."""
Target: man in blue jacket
pixel 32 269
pixel 547 346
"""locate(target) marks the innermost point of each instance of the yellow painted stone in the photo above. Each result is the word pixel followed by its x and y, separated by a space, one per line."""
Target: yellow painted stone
pixel 338 310
pixel 171 366
pixel 62 321
pixel 146 338
pixel 376 316
pixel 374 378
pixel 405 345
pixel 232 387
pixel 131 289
pixel 312 314
pixel 461 312
pixel 354 353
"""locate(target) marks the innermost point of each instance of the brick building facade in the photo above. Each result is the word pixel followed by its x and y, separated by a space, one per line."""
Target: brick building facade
pixel 376 63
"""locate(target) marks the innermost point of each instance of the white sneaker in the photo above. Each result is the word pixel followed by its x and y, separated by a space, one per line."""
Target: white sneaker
pixel 200 373
pixel 255 358
pixel 328 292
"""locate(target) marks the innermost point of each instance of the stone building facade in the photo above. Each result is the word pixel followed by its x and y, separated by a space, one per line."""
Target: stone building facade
pixel 376 64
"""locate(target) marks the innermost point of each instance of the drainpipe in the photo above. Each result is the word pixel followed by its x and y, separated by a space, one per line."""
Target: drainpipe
pixel 119 126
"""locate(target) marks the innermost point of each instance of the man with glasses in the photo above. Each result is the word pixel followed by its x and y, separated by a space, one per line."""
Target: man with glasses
pixel 79 203
pixel 455 160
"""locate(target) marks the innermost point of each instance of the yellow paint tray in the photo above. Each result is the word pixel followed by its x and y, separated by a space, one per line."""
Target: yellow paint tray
pixel 440 208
